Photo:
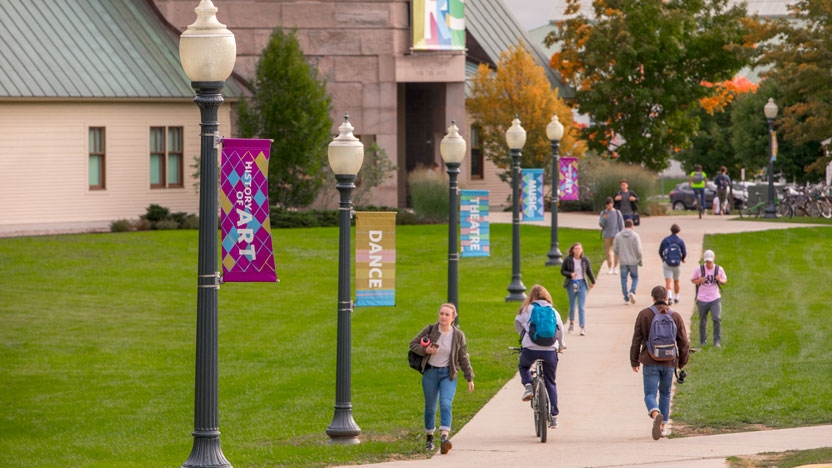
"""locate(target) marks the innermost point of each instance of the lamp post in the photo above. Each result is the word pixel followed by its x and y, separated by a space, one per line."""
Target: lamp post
pixel 346 154
pixel 516 138
pixel 554 131
pixel 770 109
pixel 452 149
pixel 207 51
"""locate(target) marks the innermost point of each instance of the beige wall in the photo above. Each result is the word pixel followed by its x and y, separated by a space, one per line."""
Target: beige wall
pixel 44 162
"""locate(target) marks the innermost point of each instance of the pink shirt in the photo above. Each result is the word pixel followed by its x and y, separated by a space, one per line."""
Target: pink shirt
pixel 708 291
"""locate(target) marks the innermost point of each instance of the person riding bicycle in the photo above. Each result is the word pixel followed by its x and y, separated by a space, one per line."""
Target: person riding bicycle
pixel 530 352
pixel 698 181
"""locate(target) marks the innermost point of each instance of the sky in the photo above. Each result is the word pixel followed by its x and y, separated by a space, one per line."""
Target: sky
pixel 531 13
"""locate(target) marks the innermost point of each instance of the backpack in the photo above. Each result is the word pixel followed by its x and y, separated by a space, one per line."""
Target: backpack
pixel 702 275
pixel 661 342
pixel 542 325
pixel 698 177
pixel 672 254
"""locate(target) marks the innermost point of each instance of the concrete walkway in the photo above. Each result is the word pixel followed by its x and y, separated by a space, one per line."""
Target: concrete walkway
pixel 603 421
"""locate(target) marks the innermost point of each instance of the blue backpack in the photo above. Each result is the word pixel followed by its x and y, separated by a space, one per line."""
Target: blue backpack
pixel 542 325
pixel 672 255
pixel 661 342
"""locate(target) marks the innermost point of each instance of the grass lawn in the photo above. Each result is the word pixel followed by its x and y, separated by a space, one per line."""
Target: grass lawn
pixel 97 346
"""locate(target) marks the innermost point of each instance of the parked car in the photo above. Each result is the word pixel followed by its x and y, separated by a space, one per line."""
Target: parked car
pixel 682 197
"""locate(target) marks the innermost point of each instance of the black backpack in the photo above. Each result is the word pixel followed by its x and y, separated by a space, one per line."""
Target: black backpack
pixel 672 255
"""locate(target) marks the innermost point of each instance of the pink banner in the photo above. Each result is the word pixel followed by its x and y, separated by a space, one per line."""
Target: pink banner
pixel 247 252
pixel 568 181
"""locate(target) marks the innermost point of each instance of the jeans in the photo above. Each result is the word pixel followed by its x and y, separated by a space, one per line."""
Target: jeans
pixel 632 270
pixel 699 195
pixel 436 385
pixel 715 308
pixel 630 216
pixel 550 368
pixel 580 298
pixel 658 378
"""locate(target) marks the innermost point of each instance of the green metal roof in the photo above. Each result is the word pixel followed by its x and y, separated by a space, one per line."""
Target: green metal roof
pixel 90 49
pixel 496 29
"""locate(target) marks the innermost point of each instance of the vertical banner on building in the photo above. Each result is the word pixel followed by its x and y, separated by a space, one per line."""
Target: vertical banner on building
pixel 475 232
pixel 568 180
pixel 375 258
pixel 247 253
pixel 438 24
pixel 532 197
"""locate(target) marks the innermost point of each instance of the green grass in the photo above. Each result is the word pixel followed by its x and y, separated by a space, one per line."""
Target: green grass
pixel 775 368
pixel 789 459
pixel 97 346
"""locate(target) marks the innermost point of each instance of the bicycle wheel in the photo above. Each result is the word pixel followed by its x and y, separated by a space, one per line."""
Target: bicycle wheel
pixel 542 415
pixel 535 411
pixel 826 209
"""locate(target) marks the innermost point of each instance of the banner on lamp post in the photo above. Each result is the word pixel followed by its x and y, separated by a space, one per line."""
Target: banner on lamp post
pixel 568 180
pixel 247 252
pixel 475 232
pixel 532 196
pixel 375 258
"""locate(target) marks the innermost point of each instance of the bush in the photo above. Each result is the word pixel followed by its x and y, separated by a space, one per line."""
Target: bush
pixel 600 177
pixel 429 195
pixel 191 221
pixel 167 225
pixel 142 224
pixel 121 225
pixel 156 213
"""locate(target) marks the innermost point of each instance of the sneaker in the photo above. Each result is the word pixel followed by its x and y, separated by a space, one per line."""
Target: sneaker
pixel 717 344
pixel 615 271
pixel 446 445
pixel 553 422
pixel 612 271
pixel 571 327
pixel 528 393
pixel 626 301
pixel 632 298
pixel 666 432
pixel 657 425
pixel 429 444
pixel 675 300
pixel 583 332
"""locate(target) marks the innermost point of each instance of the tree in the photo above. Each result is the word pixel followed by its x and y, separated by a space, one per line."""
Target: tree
pixel 289 105
pixel 519 87
pixel 638 67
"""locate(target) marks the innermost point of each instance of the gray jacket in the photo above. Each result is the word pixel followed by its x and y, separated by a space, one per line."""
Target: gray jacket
pixel 627 245
pixel 459 351
pixel 612 224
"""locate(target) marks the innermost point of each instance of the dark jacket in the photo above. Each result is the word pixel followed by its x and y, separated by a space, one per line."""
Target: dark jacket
pixel 568 268
pixel 634 204
pixel 673 239
pixel 638 348
pixel 459 351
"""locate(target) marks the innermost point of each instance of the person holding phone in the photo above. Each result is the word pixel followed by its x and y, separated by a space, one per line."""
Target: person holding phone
pixel 446 353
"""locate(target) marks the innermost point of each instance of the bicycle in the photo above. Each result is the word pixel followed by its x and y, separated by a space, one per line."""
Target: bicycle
pixel 540 399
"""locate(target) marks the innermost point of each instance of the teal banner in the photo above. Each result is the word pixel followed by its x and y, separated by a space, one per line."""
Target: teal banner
pixel 475 232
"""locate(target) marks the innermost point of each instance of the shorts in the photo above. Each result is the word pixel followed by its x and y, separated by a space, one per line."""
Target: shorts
pixel 673 272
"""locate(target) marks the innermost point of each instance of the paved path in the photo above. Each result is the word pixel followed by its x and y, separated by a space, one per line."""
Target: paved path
pixel 603 421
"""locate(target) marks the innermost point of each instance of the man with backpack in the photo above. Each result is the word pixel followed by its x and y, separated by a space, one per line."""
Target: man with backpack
pixel 698 182
pixel 660 343
pixel 709 279
pixel 673 252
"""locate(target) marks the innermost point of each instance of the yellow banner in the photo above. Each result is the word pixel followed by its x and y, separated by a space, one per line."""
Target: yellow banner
pixel 375 258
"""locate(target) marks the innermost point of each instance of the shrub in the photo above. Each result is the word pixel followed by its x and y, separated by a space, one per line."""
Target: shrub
pixel 156 213
pixel 121 225
pixel 142 224
pixel 429 194
pixel 600 177
pixel 191 221
pixel 166 225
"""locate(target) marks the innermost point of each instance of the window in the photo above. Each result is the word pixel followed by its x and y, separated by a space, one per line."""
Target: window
pixel 166 158
pixel 96 158
pixel 477 166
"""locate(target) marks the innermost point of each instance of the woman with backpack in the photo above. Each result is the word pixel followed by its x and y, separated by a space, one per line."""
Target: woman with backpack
pixel 446 353
pixel 577 270
pixel 535 343
pixel 672 252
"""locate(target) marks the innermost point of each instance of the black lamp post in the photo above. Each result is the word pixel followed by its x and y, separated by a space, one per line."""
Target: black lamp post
pixel 554 131
pixel 770 109
pixel 452 149
pixel 207 51
pixel 516 138
pixel 346 154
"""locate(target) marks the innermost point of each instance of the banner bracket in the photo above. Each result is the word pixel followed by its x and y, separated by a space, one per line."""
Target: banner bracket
pixel 212 283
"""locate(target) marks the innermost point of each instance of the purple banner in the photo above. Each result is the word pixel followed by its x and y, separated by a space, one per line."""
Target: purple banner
pixel 568 181
pixel 247 253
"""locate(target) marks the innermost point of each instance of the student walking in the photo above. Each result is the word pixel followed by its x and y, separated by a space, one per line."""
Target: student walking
pixel 626 201
pixel 723 184
pixel 577 270
pixel 673 253
pixel 445 353
pixel 708 278
pixel 611 223
pixel 659 367
pixel 627 245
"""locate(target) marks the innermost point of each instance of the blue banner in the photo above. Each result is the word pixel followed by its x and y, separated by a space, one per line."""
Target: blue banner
pixel 532 195
pixel 475 232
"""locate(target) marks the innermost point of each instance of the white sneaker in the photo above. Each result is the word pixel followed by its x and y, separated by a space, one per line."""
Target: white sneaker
pixel 615 271
pixel 583 332
pixel 632 298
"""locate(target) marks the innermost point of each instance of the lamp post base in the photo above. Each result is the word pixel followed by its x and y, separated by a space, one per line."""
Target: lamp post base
pixel 206 451
pixel 343 430
pixel 555 257
pixel 770 212
pixel 516 291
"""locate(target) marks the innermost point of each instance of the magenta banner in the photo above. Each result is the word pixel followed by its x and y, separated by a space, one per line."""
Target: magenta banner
pixel 568 182
pixel 247 253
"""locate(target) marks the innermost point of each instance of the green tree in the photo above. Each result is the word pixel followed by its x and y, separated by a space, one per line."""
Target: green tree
pixel 637 67
pixel 289 105
pixel 519 87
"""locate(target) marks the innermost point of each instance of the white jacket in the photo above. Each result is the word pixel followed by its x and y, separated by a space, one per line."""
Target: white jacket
pixel 521 325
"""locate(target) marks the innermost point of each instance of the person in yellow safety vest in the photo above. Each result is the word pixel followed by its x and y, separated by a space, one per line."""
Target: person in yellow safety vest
pixel 698 181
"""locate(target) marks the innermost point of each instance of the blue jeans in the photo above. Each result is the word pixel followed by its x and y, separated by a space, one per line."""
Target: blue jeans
pixel 580 298
pixel 631 270
pixel 657 378
pixel 699 194
pixel 550 368
pixel 437 385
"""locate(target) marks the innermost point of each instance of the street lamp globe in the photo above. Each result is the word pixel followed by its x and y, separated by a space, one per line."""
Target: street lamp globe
pixel 345 152
pixel 452 147
pixel 554 131
pixel 207 49
pixel 516 135
pixel 770 109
